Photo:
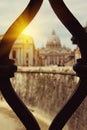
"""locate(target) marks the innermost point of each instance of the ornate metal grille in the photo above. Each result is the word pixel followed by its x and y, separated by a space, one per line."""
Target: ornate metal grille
pixel 7 67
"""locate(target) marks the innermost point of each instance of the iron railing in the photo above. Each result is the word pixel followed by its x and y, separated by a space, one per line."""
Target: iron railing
pixel 7 67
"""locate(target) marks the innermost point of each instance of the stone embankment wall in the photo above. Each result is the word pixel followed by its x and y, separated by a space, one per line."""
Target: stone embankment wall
pixel 48 88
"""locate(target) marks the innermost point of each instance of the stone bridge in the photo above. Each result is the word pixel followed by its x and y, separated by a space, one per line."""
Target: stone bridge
pixel 47 89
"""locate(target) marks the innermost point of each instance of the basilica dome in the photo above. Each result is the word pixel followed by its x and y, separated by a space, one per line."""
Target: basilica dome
pixel 53 41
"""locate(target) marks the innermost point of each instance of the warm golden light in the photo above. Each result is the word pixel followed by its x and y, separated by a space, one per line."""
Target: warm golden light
pixel 26 32
pixel 31 32
pixel 35 33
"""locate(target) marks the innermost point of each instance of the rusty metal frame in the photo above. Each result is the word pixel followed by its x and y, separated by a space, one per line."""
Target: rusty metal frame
pixel 7 67
pixel 78 32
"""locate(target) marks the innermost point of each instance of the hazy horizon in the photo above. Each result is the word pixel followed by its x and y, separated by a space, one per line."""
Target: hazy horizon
pixel 44 22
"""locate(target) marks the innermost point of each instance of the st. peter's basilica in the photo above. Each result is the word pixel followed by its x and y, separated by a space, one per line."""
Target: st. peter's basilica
pixel 24 52
pixel 55 54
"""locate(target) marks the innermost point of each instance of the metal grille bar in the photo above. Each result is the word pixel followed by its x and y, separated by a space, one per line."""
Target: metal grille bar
pixel 80 35
pixel 10 36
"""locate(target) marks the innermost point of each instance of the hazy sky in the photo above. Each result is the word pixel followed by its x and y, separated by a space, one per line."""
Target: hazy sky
pixel 44 22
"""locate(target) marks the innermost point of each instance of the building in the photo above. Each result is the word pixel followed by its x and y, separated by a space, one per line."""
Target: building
pixel 37 58
pixel 23 50
pixel 24 53
pixel 55 54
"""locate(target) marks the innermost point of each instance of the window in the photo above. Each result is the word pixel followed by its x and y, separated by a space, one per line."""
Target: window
pixel 14 54
pixel 27 55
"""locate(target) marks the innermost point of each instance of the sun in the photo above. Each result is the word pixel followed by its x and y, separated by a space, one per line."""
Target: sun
pixel 30 31
pixel 26 32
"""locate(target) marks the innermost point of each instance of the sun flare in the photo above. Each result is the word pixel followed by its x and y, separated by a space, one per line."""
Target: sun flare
pixel 26 32
pixel 30 32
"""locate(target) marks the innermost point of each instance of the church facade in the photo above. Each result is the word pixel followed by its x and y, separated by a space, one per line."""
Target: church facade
pixel 55 54
pixel 24 53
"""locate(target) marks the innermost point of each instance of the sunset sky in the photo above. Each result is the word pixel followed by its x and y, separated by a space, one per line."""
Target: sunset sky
pixel 44 22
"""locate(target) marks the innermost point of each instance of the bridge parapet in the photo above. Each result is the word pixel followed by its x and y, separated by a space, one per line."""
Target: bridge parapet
pixel 48 88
